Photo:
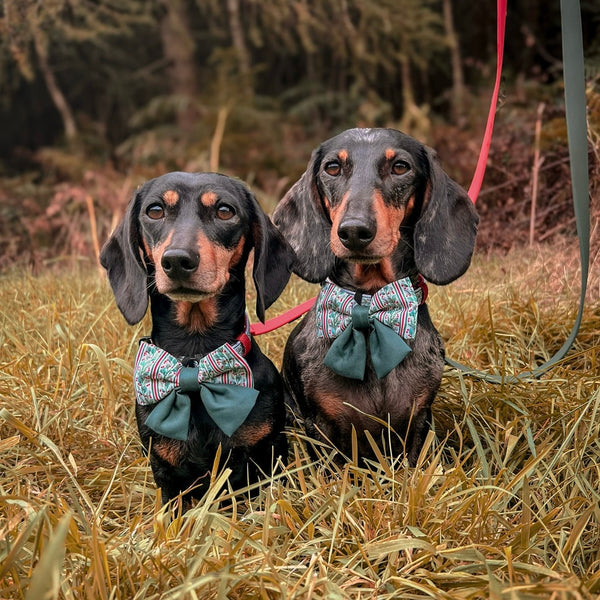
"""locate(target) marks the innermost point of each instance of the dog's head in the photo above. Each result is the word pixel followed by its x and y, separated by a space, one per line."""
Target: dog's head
pixel 189 232
pixel 371 196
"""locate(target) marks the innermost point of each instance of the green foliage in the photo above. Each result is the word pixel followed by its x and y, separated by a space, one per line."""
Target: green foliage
pixel 62 21
pixel 110 63
pixel 342 59
pixel 504 501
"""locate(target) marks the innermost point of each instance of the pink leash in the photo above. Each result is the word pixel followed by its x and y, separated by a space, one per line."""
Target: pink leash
pixel 475 187
pixel 283 319
pixel 487 137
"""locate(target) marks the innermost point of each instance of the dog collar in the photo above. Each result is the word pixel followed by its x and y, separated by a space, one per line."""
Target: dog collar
pixel 242 345
pixel 421 289
pixel 245 338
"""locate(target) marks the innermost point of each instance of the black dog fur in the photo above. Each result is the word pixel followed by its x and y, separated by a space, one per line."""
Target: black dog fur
pixel 373 206
pixel 184 244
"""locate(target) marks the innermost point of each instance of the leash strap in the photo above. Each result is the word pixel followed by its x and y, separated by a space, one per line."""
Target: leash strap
pixel 475 186
pixel 575 108
pixel 283 319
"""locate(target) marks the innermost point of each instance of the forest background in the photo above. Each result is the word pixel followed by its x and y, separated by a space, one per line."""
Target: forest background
pixel 98 96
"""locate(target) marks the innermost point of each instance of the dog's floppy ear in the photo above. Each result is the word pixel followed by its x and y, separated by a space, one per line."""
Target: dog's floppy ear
pixel 127 274
pixel 273 260
pixel 444 236
pixel 302 220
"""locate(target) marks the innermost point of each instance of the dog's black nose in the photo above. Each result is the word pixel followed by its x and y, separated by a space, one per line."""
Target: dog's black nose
pixel 356 234
pixel 179 263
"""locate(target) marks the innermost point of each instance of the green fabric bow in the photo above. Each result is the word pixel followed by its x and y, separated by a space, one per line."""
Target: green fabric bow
pixel 227 405
pixel 223 378
pixel 390 316
pixel 348 353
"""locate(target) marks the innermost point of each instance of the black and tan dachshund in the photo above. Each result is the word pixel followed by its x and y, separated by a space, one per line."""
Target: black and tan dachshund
pixel 372 216
pixel 200 381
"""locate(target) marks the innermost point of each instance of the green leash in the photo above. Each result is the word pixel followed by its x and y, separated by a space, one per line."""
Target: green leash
pixel 575 108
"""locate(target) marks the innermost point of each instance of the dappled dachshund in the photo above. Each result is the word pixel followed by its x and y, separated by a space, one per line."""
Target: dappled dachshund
pixel 200 380
pixel 372 216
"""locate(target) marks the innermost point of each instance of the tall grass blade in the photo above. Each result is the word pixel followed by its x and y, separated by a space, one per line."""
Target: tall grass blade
pixel 46 578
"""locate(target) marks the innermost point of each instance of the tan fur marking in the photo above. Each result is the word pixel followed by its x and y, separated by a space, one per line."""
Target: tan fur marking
pixel 169 450
pixel 388 226
pixel 208 198
pixel 209 279
pixel 335 214
pixel 343 155
pixel 373 277
pixel 162 281
pixel 147 249
pixel 250 435
pixel 331 405
pixel 171 197
pixel 197 316
pixel 237 252
pixel 213 271
pixel 390 153
pixel 421 402
pixel 410 205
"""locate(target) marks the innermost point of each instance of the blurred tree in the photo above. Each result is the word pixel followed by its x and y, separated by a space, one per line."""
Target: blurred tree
pixel 458 84
pixel 239 43
pixel 40 43
pixel 35 29
pixel 26 23
pixel 125 68
pixel 179 50
pixel 333 61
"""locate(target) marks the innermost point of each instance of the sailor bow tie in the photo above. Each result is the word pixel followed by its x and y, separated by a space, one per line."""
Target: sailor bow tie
pixel 223 378
pixel 387 318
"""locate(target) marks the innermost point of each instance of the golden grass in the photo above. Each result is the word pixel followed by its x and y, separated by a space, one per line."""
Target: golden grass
pixel 504 503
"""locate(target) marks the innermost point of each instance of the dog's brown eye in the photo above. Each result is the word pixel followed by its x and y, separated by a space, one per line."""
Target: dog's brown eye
pixel 400 167
pixel 155 212
pixel 333 168
pixel 225 212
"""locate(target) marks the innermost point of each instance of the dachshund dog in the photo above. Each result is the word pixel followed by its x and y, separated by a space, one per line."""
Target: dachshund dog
pixel 372 217
pixel 201 382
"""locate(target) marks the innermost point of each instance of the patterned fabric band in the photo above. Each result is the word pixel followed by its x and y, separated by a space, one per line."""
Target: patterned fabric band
pixel 387 319
pixel 223 378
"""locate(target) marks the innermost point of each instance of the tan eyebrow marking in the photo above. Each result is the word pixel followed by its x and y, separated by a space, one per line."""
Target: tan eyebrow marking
pixel 343 155
pixel 390 153
pixel 208 198
pixel 171 197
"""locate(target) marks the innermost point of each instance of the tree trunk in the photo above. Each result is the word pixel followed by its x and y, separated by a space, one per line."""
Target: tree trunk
pixel 178 46
pixel 239 43
pixel 458 85
pixel 60 102
pixel 415 120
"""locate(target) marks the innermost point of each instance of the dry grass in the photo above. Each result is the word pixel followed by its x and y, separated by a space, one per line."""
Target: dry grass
pixel 505 502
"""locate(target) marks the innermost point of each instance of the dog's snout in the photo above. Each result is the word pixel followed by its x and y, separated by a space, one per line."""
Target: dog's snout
pixel 179 263
pixel 356 234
